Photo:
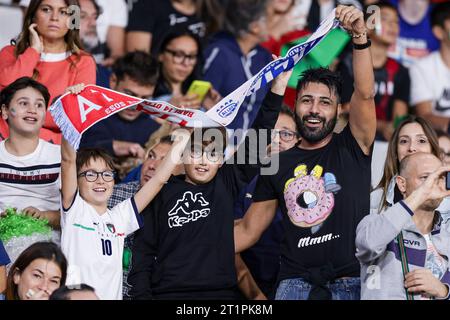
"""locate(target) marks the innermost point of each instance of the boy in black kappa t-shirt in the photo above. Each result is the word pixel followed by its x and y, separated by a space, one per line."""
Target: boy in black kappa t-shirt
pixel 186 248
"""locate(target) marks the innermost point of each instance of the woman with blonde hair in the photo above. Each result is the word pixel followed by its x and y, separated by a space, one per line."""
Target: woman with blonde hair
pixel 414 134
pixel 49 50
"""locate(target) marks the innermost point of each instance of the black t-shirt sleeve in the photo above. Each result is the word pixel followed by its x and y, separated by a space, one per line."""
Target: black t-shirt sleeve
pixel 265 189
pixel 402 85
pixel 142 16
pixel 145 248
pixel 268 113
pixel 348 141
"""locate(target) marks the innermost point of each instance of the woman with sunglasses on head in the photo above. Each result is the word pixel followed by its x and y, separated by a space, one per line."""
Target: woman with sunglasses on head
pixel 180 60
pixel 49 50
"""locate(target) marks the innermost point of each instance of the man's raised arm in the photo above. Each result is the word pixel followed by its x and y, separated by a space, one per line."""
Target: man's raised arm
pixel 362 117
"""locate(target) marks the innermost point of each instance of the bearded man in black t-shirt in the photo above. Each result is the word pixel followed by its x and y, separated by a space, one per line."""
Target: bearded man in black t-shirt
pixel 323 184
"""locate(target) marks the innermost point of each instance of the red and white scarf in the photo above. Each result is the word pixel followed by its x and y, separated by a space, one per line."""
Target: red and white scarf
pixel 74 114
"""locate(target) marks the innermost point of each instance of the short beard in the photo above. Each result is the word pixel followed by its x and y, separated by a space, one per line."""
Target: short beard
pixel 431 205
pixel 317 135
pixel 90 42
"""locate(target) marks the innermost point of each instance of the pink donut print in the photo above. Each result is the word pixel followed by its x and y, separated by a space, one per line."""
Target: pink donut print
pixel 307 202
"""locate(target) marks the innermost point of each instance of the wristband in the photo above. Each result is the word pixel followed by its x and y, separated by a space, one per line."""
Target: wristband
pixel 363 46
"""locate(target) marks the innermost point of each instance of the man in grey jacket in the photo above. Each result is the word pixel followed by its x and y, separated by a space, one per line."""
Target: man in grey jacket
pixel 404 251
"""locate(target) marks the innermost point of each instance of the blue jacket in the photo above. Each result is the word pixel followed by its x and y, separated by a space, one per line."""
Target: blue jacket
pixel 227 68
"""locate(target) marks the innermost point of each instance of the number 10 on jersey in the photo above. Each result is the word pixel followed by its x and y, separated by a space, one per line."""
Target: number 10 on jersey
pixel 106 247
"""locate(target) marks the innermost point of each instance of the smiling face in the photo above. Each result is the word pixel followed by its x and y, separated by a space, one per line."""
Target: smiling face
pixel 26 112
pixel 40 275
pixel 51 18
pixel 284 136
pixel 412 139
pixel 202 163
pixel 179 59
pixel 316 112
pixel 99 191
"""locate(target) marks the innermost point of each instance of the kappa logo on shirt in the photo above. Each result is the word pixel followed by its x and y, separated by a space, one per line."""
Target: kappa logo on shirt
pixel 187 209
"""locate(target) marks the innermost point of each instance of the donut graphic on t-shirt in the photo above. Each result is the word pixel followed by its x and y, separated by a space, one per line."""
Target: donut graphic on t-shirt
pixel 309 198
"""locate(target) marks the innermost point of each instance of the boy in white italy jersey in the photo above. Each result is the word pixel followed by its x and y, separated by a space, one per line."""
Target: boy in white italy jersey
pixel 92 235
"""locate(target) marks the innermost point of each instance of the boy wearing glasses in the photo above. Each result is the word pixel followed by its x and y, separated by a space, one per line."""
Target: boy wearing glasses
pixel 92 235
pixel 186 248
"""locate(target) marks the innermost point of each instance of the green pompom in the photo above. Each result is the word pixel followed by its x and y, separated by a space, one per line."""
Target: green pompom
pixel 16 224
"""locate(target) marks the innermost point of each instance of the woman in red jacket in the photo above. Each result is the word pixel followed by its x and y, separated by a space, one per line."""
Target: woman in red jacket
pixel 49 50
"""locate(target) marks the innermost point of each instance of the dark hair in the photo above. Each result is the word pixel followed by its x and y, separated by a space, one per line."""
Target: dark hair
pixel 210 132
pixel 324 76
pixel 85 155
pixel 63 293
pixel 138 66
pixel 166 139
pixel 98 9
pixel 441 133
pixel 439 14
pixel 380 4
pixel 212 13
pixel 72 37
pixel 39 250
pixel 7 94
pixel 287 111
pixel 175 34
pixel 239 14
